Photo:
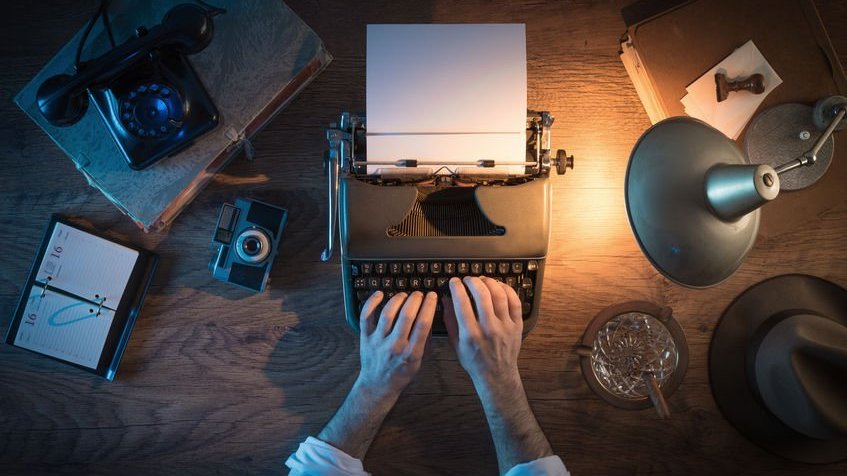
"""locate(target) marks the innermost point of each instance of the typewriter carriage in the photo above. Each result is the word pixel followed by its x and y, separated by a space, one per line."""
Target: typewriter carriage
pixel 347 141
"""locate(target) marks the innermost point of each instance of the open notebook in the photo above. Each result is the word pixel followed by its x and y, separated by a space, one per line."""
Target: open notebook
pixel 82 297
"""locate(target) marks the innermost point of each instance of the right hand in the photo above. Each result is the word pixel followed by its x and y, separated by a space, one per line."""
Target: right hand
pixel 487 342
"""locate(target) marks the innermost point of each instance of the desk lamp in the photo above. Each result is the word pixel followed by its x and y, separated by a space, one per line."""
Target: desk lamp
pixel 693 197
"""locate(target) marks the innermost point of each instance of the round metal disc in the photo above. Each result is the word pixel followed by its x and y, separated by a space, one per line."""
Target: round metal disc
pixel 774 138
pixel 667 208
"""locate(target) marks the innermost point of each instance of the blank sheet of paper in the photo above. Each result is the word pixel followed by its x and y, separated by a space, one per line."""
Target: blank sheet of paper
pixel 439 93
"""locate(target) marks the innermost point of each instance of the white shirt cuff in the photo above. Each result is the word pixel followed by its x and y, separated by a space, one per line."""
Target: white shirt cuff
pixel 546 466
pixel 317 458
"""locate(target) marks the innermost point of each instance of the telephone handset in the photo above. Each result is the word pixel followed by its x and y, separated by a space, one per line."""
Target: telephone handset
pixel 146 91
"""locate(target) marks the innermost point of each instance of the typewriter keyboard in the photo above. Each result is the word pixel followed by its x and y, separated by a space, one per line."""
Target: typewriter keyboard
pixel 392 277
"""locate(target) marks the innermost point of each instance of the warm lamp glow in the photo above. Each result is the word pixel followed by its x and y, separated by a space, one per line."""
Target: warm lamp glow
pixel 592 211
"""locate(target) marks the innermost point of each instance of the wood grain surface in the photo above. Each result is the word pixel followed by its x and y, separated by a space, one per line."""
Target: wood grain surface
pixel 220 381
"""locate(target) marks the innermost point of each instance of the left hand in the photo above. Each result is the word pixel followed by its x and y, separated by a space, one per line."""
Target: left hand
pixel 391 348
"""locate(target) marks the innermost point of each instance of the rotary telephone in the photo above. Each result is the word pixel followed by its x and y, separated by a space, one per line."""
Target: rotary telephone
pixel 145 90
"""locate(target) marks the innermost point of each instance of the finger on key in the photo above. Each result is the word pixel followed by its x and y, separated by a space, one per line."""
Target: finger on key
pixel 367 321
pixel 423 323
pixel 514 305
pixel 407 315
pixel 465 318
pixel 482 298
pixel 498 297
pixel 389 313
pixel 449 317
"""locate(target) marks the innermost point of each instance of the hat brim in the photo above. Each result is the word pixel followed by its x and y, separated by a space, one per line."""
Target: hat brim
pixel 728 365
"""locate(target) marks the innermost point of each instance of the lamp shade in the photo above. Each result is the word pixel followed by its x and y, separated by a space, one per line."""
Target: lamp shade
pixel 693 200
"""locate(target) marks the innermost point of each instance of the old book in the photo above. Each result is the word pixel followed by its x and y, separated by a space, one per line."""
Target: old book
pixel 670 43
pixel 261 56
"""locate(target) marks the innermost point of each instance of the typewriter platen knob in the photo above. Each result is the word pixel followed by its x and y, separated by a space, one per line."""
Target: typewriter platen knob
pixel 563 162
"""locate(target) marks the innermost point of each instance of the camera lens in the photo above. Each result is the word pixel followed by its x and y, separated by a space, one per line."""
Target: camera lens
pixel 253 245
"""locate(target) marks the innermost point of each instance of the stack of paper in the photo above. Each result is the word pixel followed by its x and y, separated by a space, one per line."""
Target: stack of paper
pixel 446 93
pixel 730 116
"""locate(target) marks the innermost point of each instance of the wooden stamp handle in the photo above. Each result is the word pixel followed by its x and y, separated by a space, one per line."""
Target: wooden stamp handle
pixel 755 84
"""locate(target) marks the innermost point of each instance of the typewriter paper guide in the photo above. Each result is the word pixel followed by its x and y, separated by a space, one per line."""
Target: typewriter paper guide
pixel 446 93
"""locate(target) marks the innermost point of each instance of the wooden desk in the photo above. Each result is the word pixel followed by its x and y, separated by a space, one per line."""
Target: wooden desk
pixel 219 381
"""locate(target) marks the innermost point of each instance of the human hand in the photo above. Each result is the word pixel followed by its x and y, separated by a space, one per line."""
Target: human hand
pixel 391 351
pixel 392 346
pixel 487 342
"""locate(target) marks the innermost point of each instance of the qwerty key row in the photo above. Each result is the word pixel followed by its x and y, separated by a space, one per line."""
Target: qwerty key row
pixel 393 277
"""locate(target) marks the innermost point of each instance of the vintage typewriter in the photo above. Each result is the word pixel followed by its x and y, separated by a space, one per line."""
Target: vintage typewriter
pixel 401 232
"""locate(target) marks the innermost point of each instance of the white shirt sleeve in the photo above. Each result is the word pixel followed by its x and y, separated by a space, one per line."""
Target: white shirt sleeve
pixel 317 458
pixel 547 466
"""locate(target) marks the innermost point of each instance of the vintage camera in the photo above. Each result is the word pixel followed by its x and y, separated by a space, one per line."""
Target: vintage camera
pixel 247 237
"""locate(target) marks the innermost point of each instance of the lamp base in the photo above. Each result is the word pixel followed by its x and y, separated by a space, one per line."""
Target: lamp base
pixel 784 133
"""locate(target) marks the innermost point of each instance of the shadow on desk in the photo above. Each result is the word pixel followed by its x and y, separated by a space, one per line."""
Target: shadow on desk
pixel 314 365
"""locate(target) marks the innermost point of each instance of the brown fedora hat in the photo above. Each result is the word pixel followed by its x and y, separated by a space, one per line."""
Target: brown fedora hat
pixel 778 367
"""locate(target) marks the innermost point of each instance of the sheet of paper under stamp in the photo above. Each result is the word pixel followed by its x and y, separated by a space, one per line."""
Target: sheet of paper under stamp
pixel 731 115
pixel 447 93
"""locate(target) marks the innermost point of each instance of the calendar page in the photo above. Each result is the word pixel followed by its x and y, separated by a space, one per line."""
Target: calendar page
pixel 87 266
pixel 78 286
pixel 64 327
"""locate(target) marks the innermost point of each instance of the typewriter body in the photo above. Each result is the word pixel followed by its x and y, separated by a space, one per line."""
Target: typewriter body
pixel 401 232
